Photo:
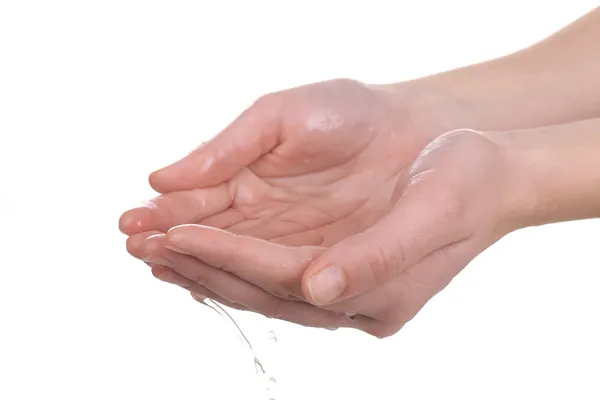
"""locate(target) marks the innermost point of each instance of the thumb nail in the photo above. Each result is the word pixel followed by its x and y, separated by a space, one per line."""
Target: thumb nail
pixel 327 285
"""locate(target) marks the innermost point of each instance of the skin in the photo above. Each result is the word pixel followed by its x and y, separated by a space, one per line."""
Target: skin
pixel 354 181
pixel 311 178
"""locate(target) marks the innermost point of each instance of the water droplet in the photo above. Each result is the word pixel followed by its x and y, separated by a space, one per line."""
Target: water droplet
pixel 272 336
pixel 271 382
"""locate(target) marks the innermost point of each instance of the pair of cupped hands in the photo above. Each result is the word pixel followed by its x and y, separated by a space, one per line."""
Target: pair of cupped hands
pixel 330 205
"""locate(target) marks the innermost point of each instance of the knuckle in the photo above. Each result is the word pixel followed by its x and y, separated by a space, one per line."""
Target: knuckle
pixel 454 205
pixel 382 265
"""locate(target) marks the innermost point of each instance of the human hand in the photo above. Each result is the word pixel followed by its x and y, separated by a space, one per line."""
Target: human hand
pixel 309 165
pixel 463 192
pixel 306 166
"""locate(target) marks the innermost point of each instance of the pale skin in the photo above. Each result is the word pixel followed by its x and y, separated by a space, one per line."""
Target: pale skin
pixel 340 204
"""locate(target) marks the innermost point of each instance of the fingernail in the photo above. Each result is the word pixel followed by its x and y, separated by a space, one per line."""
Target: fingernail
pixel 174 238
pixel 327 285
pixel 154 259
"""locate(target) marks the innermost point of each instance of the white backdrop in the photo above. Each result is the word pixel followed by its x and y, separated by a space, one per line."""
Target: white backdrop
pixel 96 94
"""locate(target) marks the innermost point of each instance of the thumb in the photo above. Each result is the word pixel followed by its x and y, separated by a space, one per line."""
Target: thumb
pixel 254 133
pixel 423 221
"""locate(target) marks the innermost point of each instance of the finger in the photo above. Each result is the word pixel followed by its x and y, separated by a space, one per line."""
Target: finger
pixel 268 265
pixel 214 279
pixel 399 300
pixel 254 133
pixel 426 218
pixel 135 242
pixel 199 292
pixel 167 275
pixel 168 210
pixel 238 291
pixel 200 299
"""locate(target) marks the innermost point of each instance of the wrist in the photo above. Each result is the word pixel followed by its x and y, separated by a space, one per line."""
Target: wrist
pixel 519 195
pixel 555 172
pixel 429 106
pixel 477 97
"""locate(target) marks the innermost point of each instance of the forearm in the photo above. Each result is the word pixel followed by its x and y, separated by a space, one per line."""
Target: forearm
pixel 559 167
pixel 555 81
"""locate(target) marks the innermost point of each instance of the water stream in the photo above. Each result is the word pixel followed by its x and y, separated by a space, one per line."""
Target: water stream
pixel 268 381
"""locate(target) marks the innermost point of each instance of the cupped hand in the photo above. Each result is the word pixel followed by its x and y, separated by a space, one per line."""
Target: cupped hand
pixel 307 166
pixel 463 192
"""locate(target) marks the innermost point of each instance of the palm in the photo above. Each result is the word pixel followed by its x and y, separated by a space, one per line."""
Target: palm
pixel 317 208
pixel 340 149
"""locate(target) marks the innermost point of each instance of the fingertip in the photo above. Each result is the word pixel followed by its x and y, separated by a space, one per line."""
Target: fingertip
pixel 327 285
pixel 153 244
pixel 184 174
pixel 134 245
pixel 325 280
pixel 305 283
pixel 129 224
pixel 159 271
pixel 309 272
pixel 137 219
pixel 157 180
pixel 123 223
pixel 198 297
pixel 175 176
pixel 170 178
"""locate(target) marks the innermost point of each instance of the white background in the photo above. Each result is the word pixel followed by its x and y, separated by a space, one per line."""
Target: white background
pixel 96 94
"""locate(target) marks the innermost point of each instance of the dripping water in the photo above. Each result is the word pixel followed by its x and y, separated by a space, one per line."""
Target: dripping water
pixel 272 336
pixel 258 365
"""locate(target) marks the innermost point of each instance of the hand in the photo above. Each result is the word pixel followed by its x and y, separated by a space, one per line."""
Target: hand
pixel 462 193
pixel 306 166
pixel 309 165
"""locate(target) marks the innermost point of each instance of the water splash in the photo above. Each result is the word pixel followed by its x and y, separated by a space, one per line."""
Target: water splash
pixel 261 373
